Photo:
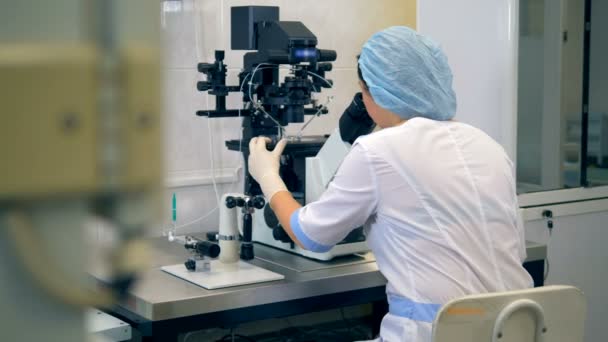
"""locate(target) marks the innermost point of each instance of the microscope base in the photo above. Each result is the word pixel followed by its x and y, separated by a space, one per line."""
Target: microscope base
pixel 352 248
pixel 224 275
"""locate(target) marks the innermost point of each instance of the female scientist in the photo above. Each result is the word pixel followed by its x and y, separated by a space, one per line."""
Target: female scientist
pixel 437 197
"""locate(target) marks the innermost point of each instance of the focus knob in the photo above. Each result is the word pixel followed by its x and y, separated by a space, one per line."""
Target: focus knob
pixel 258 202
pixel 278 233
pixel 190 265
pixel 203 86
pixel 230 202
pixel 205 67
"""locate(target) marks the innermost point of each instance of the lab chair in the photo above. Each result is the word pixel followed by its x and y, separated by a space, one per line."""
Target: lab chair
pixel 542 314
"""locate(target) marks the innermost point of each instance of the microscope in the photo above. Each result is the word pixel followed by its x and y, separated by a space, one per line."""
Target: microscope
pixel 308 162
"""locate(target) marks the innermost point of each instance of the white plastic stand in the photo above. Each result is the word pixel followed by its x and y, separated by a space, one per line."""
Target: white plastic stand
pixel 224 275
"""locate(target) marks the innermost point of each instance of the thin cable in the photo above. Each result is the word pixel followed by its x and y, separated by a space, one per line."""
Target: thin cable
pixel 197 45
pixel 213 179
pixel 197 26
pixel 321 78
pixel 252 76
pixel 255 70
pixel 212 159
pixel 232 185
pixel 196 220
pixel 197 52
pixel 259 107
pixel 241 126
pixel 281 130
pixel 316 115
pixel 263 110
pixel 209 213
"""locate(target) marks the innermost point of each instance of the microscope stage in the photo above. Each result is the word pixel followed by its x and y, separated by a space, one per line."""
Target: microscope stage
pixel 307 145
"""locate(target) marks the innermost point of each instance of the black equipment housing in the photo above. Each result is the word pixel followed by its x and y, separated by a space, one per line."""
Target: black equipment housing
pixel 269 101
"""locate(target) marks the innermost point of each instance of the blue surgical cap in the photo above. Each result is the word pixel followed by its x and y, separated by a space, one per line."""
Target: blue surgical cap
pixel 408 74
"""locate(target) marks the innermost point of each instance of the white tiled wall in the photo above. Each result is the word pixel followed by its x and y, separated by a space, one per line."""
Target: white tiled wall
pixel 192 30
pixel 479 38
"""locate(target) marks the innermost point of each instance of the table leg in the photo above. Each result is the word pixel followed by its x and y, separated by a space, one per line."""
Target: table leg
pixel 379 309
pixel 537 271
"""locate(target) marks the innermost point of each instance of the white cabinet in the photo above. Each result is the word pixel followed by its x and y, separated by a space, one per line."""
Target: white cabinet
pixel 578 256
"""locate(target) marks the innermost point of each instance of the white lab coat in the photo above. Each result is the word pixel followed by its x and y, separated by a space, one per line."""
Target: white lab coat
pixel 439 205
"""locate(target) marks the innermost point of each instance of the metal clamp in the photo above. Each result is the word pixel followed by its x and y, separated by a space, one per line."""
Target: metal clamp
pixel 227 237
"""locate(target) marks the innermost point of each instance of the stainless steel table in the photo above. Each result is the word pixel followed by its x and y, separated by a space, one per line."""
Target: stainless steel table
pixel 162 306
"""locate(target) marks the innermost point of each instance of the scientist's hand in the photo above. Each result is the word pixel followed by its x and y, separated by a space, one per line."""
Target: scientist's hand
pixel 264 165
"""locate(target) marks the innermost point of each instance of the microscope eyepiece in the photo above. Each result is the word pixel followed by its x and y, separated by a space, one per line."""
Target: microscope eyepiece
pixel 327 55
pixel 355 121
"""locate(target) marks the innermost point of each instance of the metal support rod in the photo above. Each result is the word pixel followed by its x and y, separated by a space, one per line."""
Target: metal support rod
pixel 246 245
pixel 231 113
pixel 220 103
